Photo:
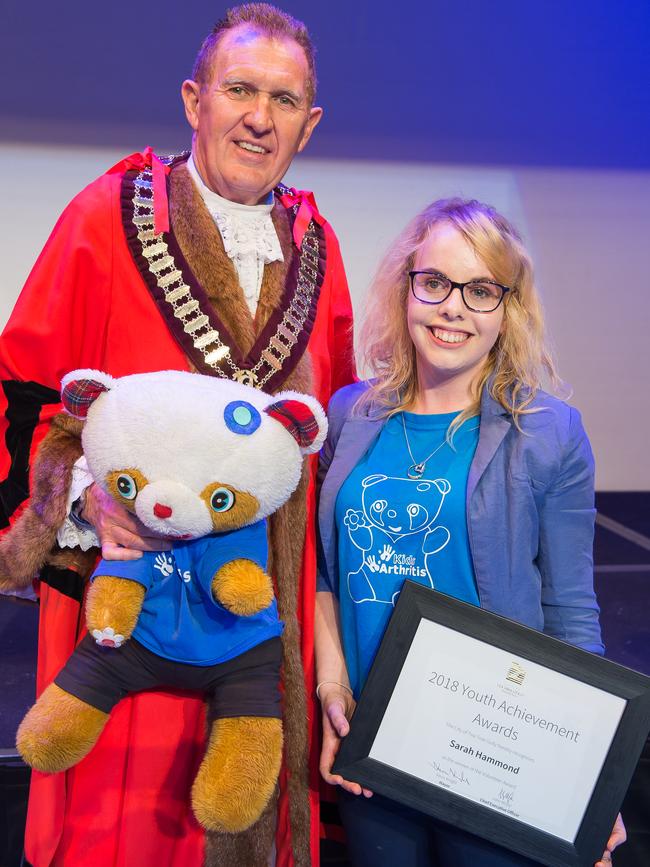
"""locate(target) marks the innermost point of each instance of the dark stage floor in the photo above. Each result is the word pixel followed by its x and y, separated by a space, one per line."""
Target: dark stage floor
pixel 622 576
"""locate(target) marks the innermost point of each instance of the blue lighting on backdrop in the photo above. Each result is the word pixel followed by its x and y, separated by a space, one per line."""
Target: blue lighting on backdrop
pixel 503 82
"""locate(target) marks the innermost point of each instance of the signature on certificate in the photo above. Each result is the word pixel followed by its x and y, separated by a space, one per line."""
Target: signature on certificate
pixel 506 796
pixel 458 776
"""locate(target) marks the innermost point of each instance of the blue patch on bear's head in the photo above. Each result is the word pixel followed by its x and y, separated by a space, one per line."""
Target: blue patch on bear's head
pixel 241 417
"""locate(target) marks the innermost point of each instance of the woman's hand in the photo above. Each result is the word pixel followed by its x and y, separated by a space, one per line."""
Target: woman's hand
pixel 337 705
pixel 618 836
pixel 122 535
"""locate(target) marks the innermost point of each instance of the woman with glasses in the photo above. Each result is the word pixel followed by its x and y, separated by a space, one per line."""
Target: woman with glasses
pixel 453 468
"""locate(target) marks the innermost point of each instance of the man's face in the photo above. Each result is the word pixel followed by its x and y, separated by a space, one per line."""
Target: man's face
pixel 252 116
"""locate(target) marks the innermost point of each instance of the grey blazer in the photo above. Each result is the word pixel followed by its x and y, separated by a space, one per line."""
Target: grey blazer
pixel 530 511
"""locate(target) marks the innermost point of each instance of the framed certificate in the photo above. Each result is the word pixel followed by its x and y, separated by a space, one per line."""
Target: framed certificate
pixel 497 729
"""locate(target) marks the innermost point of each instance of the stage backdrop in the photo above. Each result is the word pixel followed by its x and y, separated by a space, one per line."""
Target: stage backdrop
pixel 542 109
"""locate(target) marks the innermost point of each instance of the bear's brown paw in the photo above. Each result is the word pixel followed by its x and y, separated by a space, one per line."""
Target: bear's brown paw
pixel 113 604
pixel 238 774
pixel 243 587
pixel 58 731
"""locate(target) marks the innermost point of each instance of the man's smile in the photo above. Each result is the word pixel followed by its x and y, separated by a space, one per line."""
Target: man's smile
pixel 252 148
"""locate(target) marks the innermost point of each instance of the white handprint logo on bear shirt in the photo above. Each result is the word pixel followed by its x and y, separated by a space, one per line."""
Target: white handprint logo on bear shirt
pixel 164 564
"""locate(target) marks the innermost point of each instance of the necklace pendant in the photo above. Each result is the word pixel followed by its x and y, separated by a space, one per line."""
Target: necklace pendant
pixel 415 471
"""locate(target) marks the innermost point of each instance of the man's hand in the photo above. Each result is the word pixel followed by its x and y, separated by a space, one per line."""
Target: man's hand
pixel 122 535
pixel 337 707
pixel 618 836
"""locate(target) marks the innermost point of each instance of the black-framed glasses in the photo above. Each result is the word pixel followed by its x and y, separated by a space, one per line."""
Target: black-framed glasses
pixel 479 296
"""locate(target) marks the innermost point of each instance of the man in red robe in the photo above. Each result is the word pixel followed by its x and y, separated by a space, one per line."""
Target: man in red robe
pixel 202 261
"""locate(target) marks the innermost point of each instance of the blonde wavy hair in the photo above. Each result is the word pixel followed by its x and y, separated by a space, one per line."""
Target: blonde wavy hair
pixel 518 363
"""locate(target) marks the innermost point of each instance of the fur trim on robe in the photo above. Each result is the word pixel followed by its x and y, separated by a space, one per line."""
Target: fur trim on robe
pixel 31 542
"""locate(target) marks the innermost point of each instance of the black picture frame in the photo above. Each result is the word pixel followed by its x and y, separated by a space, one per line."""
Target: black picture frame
pixel 353 762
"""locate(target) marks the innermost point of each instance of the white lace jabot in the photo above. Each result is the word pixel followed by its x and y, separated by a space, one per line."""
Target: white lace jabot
pixel 248 233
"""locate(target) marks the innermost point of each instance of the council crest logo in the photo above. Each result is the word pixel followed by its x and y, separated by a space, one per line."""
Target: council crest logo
pixel 516 674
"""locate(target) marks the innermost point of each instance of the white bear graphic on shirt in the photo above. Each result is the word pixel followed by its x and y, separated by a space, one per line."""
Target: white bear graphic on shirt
pixel 394 508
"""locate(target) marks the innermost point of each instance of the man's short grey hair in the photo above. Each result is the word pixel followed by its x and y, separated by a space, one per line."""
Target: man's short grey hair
pixel 269 21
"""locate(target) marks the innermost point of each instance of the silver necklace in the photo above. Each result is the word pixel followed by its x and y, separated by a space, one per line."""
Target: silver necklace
pixel 416 470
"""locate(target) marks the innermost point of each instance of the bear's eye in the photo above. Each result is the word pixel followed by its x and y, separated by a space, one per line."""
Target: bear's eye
pixel 379 506
pixel 126 486
pixel 222 500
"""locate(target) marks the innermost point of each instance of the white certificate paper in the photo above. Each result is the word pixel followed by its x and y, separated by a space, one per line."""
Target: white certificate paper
pixel 497 729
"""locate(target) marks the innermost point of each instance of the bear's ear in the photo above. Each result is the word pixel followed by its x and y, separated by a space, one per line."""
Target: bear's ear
pixel 81 388
pixel 304 418
pixel 369 481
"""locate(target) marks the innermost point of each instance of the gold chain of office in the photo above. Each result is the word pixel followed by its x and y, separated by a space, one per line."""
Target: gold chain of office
pixel 196 323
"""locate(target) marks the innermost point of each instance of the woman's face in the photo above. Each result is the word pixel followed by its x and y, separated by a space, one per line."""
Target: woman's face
pixel 451 342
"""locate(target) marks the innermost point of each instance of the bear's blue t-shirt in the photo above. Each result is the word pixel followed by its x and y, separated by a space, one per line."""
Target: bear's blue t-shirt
pixel 180 619
pixel 391 528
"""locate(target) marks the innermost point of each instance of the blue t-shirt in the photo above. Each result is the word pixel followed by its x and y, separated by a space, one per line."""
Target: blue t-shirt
pixel 391 528
pixel 180 619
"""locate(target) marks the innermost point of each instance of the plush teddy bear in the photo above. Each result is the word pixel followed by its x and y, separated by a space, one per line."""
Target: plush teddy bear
pixel 202 461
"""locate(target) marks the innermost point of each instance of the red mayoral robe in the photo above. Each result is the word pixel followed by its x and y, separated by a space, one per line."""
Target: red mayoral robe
pixel 90 302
